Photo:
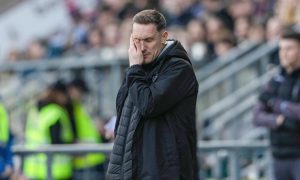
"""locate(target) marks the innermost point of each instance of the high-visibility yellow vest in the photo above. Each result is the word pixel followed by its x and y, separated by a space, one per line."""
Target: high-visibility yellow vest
pixel 4 128
pixel 87 133
pixel 38 133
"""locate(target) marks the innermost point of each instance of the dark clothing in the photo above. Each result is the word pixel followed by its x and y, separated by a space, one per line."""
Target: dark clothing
pixel 6 155
pixel 156 128
pixel 55 133
pixel 281 97
pixel 287 169
pixel 90 173
pixel 70 110
pixel 55 130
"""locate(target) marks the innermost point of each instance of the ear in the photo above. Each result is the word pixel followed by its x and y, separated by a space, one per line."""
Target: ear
pixel 164 37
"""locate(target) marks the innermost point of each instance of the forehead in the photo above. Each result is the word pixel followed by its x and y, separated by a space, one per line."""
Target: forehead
pixel 289 42
pixel 142 31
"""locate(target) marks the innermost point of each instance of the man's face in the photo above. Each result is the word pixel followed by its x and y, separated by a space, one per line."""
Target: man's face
pixel 289 54
pixel 74 93
pixel 151 40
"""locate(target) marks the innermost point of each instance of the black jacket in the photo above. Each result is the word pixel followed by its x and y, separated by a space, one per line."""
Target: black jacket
pixel 160 98
pixel 281 96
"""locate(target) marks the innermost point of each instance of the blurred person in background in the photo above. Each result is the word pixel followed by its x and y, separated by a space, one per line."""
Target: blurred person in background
pixel 155 132
pixel 241 8
pixel 274 29
pixel 279 106
pixel 6 161
pixel 216 31
pixel 95 39
pixel 223 46
pixel 257 33
pixel 197 39
pixel 48 123
pixel 288 11
pixel 85 132
pixel 242 27
pixel 36 50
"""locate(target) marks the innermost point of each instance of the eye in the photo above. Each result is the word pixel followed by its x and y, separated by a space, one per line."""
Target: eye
pixel 148 40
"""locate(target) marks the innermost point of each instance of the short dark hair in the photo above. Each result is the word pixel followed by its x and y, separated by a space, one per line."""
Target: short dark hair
pixel 151 16
pixel 79 83
pixel 290 33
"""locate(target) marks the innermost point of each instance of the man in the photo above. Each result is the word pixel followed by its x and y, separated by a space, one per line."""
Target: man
pixel 6 160
pixel 85 132
pixel 49 123
pixel 278 109
pixel 155 129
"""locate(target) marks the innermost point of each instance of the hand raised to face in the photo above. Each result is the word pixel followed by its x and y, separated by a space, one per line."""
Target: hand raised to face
pixel 135 54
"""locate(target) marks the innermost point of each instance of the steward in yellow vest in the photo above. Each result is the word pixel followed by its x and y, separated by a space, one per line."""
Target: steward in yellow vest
pixel 5 146
pixel 86 132
pixel 4 132
pixel 49 123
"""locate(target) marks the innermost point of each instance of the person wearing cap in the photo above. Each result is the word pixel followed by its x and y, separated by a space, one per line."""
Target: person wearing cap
pixel 48 123
pixel 85 132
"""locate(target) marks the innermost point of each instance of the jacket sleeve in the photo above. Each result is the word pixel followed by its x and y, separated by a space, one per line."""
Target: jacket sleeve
pixel 288 109
pixel 174 82
pixel 264 118
pixel 264 115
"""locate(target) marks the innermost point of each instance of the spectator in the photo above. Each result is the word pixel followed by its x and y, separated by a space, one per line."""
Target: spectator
pixel 197 39
pixel 273 29
pixel 36 50
pixel 241 8
pixel 278 109
pixel 95 39
pixel 6 162
pixel 273 32
pixel 288 11
pixel 223 46
pixel 257 33
pixel 86 132
pixel 57 44
pixel 242 27
pixel 14 55
pixel 49 123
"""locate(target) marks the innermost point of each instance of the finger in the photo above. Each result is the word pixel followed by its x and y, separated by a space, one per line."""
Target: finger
pixel 135 43
pixel 131 43
pixel 138 46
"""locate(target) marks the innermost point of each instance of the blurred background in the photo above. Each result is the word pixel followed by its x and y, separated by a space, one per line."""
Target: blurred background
pixel 233 45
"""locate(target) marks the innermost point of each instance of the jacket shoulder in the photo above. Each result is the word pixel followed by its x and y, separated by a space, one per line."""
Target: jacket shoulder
pixel 177 62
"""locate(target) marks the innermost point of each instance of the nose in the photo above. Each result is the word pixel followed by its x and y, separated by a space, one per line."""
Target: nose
pixel 282 53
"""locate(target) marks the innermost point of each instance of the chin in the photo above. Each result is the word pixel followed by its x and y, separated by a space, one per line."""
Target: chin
pixel 147 61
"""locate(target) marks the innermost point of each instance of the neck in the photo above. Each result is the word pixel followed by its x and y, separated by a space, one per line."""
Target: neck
pixel 291 69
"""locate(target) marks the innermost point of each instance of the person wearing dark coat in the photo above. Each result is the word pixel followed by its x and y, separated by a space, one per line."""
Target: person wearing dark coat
pixel 155 132
pixel 278 109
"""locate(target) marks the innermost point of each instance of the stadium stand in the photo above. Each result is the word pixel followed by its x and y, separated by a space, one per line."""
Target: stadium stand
pixel 94 46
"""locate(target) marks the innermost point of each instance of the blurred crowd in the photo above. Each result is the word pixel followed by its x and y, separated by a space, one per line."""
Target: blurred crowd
pixel 207 28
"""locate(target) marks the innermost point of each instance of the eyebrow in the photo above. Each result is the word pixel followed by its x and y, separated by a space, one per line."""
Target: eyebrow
pixel 151 37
